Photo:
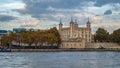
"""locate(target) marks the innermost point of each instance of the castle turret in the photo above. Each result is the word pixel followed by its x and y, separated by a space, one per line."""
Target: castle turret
pixel 89 32
pixel 88 24
pixel 60 25
pixel 71 22
pixel 71 27
pixel 76 25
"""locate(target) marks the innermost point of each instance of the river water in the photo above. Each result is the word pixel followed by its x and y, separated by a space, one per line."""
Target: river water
pixel 60 60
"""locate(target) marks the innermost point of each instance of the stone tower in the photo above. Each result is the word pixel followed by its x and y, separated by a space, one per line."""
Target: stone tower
pixel 60 25
pixel 76 24
pixel 71 28
pixel 75 36
pixel 88 39
pixel 88 24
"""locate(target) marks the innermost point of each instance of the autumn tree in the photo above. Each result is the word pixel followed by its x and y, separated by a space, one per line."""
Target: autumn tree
pixel 38 38
pixel 56 34
pixel 27 37
pixel 6 40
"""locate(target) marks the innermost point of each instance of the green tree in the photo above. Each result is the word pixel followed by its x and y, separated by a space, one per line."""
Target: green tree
pixel 56 34
pixel 116 36
pixel 101 35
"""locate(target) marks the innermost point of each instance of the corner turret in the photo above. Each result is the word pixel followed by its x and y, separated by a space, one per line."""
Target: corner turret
pixel 60 24
pixel 71 22
pixel 88 23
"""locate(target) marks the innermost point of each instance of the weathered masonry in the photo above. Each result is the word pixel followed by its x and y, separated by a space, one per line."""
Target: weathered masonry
pixel 75 36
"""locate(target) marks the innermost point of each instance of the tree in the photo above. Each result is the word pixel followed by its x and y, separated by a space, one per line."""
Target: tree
pixel 5 41
pixel 116 36
pixel 27 37
pixel 56 34
pixel 38 37
pixel 51 39
pixel 101 35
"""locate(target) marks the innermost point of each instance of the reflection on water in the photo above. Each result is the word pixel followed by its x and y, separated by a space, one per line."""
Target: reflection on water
pixel 60 60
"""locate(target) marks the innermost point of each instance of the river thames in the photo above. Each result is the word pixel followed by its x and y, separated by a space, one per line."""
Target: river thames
pixel 60 60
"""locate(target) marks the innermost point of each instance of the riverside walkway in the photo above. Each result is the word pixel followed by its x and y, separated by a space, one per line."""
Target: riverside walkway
pixel 64 50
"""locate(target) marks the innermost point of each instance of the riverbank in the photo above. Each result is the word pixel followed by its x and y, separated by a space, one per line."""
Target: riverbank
pixel 62 50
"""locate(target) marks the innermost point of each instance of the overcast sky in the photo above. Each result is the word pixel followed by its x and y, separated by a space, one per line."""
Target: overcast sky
pixel 43 14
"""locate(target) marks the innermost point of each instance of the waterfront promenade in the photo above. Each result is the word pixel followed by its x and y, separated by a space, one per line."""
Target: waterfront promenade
pixel 93 47
pixel 64 50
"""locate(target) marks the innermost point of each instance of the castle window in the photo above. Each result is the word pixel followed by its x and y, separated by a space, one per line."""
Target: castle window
pixel 80 44
pixel 67 44
pixel 62 44
pixel 86 35
pixel 75 35
pixel 74 44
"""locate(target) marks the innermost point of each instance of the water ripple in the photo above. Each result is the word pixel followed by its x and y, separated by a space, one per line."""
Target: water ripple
pixel 60 60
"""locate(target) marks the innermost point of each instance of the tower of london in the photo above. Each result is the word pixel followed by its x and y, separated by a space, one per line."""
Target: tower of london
pixel 75 36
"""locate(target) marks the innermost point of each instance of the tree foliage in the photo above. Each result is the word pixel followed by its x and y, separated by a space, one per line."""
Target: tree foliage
pixel 6 40
pixel 38 37
pixel 101 35
pixel 115 36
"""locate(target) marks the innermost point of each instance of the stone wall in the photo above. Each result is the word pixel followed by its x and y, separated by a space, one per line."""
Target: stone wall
pixel 73 44
pixel 105 45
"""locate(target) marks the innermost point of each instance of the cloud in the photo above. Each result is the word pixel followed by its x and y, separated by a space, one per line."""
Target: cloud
pixel 4 18
pixel 22 10
pixel 62 10
pixel 108 22
pixel 44 1
pixel 100 3
pixel 29 24
pixel 48 7
pixel 14 5
pixel 85 8
pixel 48 12
pixel 97 19
pixel 108 12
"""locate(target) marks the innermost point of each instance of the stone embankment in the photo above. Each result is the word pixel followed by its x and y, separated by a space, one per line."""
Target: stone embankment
pixel 63 50
pixel 93 47
pixel 105 45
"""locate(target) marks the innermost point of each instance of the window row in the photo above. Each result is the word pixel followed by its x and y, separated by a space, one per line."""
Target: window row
pixel 70 44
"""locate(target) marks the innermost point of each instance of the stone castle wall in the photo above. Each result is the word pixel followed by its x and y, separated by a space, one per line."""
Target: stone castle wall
pixel 75 32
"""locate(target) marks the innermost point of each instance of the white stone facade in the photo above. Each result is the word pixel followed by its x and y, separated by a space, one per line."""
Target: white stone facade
pixel 75 36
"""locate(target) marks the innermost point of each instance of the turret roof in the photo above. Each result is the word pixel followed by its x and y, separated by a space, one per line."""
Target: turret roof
pixel 88 22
